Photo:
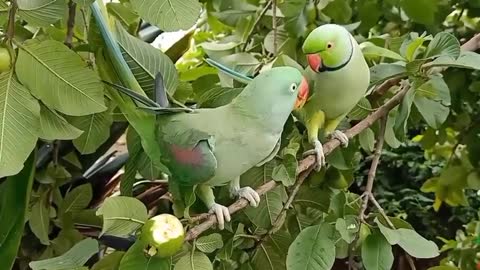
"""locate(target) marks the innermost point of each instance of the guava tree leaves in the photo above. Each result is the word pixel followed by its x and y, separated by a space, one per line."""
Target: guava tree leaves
pixel 14 196
pixel 195 261
pixel 54 126
pixel 122 215
pixel 168 15
pixel 41 12
pixel 209 243
pixel 377 253
pixel 271 254
pixel 19 124
pixel 75 258
pixel 60 78
pixel 312 249
pixel 135 258
pixel 432 100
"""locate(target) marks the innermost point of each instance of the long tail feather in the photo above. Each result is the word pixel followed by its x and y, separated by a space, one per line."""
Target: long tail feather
pixel 230 72
pixel 134 95
pixel 160 91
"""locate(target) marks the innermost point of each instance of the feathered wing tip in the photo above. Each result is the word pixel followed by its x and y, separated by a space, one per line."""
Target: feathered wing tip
pixel 230 72
pixel 149 105
pixel 160 92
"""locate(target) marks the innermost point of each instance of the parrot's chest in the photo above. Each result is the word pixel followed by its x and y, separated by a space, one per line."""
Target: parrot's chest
pixel 337 92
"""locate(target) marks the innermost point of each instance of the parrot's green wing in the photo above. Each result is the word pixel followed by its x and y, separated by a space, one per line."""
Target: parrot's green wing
pixel 189 154
pixel 271 155
pixel 230 72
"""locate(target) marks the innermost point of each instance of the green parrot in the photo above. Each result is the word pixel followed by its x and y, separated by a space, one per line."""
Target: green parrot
pixel 210 147
pixel 338 76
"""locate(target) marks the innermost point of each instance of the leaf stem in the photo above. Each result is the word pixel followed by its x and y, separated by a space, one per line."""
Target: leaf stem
pixel 257 21
pixel 274 26
pixel 11 19
pixel 72 8
pixel 126 219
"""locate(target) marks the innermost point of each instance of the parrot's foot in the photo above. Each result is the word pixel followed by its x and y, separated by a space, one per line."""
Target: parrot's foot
pixel 318 151
pixel 222 214
pixel 249 194
pixel 337 134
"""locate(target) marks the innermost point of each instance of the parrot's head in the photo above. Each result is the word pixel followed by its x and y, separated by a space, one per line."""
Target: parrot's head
pixel 328 48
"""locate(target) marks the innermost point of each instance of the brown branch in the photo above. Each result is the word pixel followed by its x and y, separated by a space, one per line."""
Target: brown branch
pixel 373 168
pixel 72 8
pixel 307 163
pixel 257 21
pixel 301 178
pixel 274 25
pixel 11 19
pixel 472 44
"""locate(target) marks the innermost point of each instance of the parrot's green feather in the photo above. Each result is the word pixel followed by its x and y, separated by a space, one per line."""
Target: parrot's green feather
pixel 230 72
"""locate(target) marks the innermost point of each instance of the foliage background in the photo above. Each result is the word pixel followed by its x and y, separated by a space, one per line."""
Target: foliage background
pixel 58 123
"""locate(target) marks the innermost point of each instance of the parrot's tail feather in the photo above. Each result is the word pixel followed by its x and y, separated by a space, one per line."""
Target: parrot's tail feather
pixel 230 72
pixel 134 95
pixel 160 91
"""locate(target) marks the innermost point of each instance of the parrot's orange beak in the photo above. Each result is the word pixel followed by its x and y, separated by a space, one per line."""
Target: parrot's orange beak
pixel 302 94
pixel 314 61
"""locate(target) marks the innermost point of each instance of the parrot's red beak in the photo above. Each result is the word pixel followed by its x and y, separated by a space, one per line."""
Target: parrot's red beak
pixel 314 61
pixel 302 94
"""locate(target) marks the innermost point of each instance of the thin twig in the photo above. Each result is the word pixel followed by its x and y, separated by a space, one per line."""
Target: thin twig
pixel 257 21
pixel 307 163
pixel 373 168
pixel 301 178
pixel 72 8
pixel 274 25
pixel 11 19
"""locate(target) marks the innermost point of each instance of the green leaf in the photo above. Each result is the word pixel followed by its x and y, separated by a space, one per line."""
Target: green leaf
pixel 271 254
pixel 467 59
pixel 347 227
pixel 195 261
pixel 41 12
pixel 377 253
pixel 135 258
pixel 109 262
pixel 209 243
pixel 60 78
pixel 417 246
pixel 122 215
pixel 443 44
pixel 54 127
pixel 361 110
pixel 39 220
pixel 96 130
pixel 313 197
pixel 371 50
pixel 383 72
pixel 312 249
pixel 75 258
pixel 473 180
pixel 432 99
pixel 410 46
pixel 269 208
pixel 339 10
pixel 218 96
pixel 392 236
pixel 145 61
pixel 285 44
pixel 123 12
pixel 168 15
pixel 367 139
pixel 443 267
pixel 421 11
pixel 135 152
pixel 19 124
pixel 77 199
pixel 14 196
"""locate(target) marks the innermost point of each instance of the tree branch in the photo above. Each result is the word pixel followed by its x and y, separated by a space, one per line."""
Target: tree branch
pixel 259 17
pixel 373 168
pixel 72 8
pixel 307 163
pixel 274 25
pixel 11 19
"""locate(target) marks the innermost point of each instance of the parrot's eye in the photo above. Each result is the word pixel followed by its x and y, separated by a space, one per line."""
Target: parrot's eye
pixel 293 87
pixel 329 45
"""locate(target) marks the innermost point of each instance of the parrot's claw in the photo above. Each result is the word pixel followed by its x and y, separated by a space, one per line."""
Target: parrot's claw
pixel 222 214
pixel 249 194
pixel 318 151
pixel 337 134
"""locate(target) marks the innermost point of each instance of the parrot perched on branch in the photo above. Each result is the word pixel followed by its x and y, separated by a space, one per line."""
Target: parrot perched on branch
pixel 214 146
pixel 339 77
